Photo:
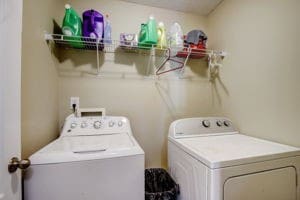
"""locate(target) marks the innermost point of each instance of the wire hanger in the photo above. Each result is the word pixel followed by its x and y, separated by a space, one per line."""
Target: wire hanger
pixel 169 58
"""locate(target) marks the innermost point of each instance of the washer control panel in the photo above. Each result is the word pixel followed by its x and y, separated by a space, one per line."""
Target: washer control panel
pixel 75 126
pixel 192 127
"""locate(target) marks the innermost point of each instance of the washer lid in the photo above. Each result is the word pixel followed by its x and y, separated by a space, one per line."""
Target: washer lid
pixel 230 150
pixel 79 148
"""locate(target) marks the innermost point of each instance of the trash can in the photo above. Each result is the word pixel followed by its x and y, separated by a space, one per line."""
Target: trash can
pixel 159 185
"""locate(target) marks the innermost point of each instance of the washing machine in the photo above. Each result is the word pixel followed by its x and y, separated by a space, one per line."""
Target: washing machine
pixel 95 157
pixel 211 160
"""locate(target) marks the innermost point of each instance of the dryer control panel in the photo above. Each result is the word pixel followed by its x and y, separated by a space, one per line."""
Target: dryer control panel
pixel 95 125
pixel 194 127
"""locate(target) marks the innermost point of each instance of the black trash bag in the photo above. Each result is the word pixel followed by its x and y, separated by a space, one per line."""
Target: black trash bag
pixel 159 185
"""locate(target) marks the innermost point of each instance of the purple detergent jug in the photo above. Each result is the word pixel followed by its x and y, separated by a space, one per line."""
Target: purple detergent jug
pixel 93 24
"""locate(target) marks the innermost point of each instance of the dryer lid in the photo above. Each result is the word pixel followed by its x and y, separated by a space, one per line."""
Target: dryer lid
pixel 79 148
pixel 231 150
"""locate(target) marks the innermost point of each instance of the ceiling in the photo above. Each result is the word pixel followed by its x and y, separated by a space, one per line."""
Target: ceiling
pixel 200 7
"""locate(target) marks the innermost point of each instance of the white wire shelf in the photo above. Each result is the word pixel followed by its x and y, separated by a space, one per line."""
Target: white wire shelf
pixel 113 46
pixel 87 43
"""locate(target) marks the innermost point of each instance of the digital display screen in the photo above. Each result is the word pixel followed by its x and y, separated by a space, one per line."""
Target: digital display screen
pixel 91 114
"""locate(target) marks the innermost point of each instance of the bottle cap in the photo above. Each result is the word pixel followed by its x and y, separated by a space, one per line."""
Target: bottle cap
pixel 67 6
pixel 161 24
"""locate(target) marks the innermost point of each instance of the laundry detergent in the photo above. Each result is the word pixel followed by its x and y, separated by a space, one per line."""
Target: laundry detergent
pixel 72 27
pixel 93 24
pixel 148 34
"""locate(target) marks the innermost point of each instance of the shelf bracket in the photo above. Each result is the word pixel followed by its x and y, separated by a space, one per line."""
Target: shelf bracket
pixel 214 63
pixel 151 56
pixel 98 62
pixel 185 62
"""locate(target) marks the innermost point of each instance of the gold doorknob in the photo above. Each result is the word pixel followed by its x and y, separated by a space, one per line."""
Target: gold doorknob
pixel 15 163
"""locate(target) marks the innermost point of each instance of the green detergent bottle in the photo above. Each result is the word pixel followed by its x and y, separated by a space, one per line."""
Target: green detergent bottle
pixel 148 34
pixel 72 26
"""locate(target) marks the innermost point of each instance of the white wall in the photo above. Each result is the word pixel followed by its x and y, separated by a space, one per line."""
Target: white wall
pixel 261 92
pixel 39 76
pixel 125 89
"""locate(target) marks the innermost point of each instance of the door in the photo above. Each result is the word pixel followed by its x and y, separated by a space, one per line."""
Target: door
pixel 10 96
pixel 278 184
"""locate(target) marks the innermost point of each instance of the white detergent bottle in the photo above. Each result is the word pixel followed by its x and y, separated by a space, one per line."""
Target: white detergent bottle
pixel 175 36
pixel 107 31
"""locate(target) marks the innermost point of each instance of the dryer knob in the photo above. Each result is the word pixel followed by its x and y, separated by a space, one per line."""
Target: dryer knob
pixel 226 123
pixel 97 124
pixel 206 123
pixel 219 123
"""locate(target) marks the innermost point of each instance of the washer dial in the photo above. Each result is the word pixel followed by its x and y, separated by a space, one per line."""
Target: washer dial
pixel 83 125
pixel 73 125
pixel 120 123
pixel 97 124
pixel 206 123
pixel 111 123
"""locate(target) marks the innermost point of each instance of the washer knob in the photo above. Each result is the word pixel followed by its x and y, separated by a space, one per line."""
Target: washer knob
pixel 206 123
pixel 226 123
pixel 97 124
pixel 83 125
pixel 111 123
pixel 73 125
pixel 120 123
pixel 219 123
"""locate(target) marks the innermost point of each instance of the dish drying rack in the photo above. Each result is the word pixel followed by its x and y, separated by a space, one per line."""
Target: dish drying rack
pixel 173 53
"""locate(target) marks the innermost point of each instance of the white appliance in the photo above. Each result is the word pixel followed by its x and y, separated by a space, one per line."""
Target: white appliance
pixel 95 157
pixel 210 160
